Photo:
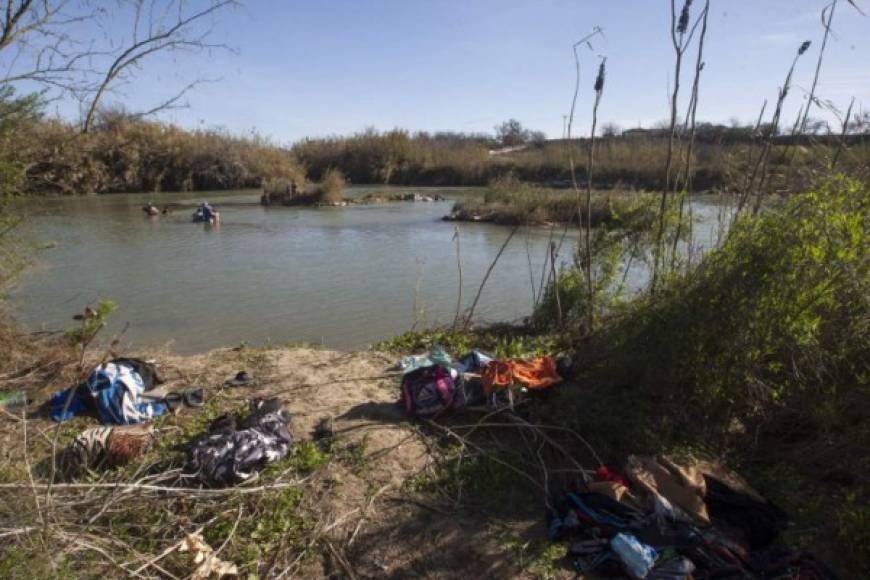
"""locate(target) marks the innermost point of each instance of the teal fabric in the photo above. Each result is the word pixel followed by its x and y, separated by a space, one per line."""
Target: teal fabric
pixel 437 356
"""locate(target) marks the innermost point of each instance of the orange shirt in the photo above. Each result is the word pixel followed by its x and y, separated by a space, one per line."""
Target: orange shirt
pixel 536 373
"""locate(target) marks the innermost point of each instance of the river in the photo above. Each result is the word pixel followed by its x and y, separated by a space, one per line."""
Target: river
pixel 337 277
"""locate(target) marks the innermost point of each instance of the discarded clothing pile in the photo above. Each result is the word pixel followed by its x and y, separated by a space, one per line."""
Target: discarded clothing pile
pixel 236 448
pixel 114 392
pixel 100 447
pixel 669 520
pixel 434 382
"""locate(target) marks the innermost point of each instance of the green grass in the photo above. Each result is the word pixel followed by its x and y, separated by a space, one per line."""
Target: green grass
pixel 539 558
pixel 465 477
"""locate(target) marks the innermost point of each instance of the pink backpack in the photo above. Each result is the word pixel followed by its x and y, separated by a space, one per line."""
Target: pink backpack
pixel 429 390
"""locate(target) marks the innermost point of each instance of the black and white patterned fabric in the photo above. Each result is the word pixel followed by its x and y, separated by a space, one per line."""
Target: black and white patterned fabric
pixel 87 450
pixel 234 450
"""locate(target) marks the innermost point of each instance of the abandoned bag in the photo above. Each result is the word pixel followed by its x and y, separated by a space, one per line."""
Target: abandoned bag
pixel 430 390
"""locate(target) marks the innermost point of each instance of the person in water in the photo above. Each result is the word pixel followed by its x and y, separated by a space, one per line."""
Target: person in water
pixel 209 214
pixel 150 209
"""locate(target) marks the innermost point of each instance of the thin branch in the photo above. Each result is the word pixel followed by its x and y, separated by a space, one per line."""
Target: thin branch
pixel 459 267
pixel 555 278
pixel 590 164
pixel 486 276
pixel 678 31
pixel 691 120
pixel 842 142
pixel 830 8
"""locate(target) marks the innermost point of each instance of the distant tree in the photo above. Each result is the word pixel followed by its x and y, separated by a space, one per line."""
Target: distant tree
pixel 860 124
pixel 511 133
pixel 537 137
pixel 610 130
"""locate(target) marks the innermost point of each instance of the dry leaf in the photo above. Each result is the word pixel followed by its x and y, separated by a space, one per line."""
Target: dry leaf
pixel 203 554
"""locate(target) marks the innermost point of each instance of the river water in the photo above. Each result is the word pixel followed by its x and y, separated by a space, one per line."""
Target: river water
pixel 339 277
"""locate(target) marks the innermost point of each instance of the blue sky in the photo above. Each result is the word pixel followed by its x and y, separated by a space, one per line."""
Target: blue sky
pixel 312 68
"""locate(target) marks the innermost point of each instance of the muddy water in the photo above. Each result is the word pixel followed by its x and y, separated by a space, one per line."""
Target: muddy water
pixel 340 277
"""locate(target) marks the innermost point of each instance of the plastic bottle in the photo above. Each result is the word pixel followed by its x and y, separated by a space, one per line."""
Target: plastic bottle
pixel 13 398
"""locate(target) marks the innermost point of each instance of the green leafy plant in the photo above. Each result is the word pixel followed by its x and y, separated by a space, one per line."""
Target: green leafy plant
pixel 92 321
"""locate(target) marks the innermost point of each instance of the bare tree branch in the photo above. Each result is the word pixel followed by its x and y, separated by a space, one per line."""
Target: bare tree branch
pixel 160 38
pixel 36 45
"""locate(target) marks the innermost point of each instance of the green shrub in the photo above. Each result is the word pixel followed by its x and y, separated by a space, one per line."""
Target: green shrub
pixel 503 341
pixel 15 113
pixel 779 312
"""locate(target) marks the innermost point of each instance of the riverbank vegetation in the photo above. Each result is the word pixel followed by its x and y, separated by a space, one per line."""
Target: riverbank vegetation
pixel 297 192
pixel 630 160
pixel 331 187
pixel 509 201
pixel 125 154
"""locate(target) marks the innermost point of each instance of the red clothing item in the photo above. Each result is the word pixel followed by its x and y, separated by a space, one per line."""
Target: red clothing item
pixel 604 473
pixel 536 373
